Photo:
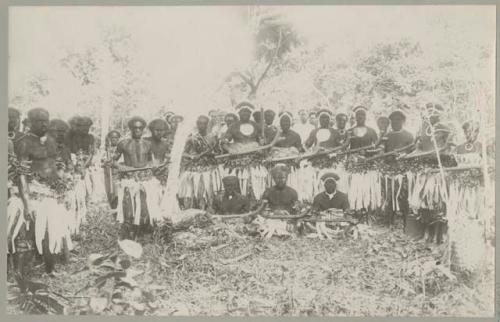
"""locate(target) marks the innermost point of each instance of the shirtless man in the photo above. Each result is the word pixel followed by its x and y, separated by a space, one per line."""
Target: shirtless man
pixel 399 137
pixel 361 135
pixel 280 197
pixel 43 201
pixel 58 129
pixel 159 145
pixel 80 142
pixel 232 201
pixel 245 130
pixel 137 153
pixel 324 137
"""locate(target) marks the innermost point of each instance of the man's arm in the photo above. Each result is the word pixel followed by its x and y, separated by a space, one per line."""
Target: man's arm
pixel 23 149
pixel 310 140
pixel 298 143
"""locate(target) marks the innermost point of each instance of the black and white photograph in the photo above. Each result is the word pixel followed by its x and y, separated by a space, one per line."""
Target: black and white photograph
pixel 251 160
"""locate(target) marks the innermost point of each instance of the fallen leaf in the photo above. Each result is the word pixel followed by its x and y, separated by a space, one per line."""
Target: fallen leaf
pixel 98 304
pixel 131 248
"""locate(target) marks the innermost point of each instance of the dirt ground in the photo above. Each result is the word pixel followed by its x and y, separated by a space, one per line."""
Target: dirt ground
pixel 221 270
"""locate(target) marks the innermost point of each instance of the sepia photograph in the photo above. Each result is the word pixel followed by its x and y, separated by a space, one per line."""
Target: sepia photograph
pixel 256 160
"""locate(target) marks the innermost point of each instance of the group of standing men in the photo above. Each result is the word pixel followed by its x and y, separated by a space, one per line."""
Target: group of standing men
pixel 52 149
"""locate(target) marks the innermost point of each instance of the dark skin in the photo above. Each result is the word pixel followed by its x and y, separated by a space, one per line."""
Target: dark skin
pixel 341 122
pixel 245 115
pixel 269 118
pixel 137 153
pixel 383 125
pixel 41 157
pixel 229 120
pixel 397 123
pixel 280 180
pixel 80 139
pixel 330 186
pixel 114 138
pixel 159 146
pixel 324 121
pixel 231 188
pixel 14 123
pixel 360 118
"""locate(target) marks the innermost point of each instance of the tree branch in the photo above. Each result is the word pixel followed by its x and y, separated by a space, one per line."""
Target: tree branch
pixel 270 63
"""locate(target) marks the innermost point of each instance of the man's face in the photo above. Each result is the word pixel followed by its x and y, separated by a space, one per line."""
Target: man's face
pixel 137 130
pixel 341 122
pixel 360 118
pixel 330 186
pixel 269 118
pixel 114 138
pixel 14 123
pixel 285 124
pixel 280 179
pixel 397 123
pixel 158 132
pixel 383 124
pixel 244 115
pixel 202 125
pixel 303 117
pixel 40 124
pixel 313 120
pixel 82 128
pixel 256 117
pixel 229 120
pixel 231 188
pixel 324 121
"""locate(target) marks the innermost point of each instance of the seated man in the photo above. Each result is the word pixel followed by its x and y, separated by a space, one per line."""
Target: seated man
pixel 280 198
pixel 232 201
pixel 159 145
pixel 331 197
pixel 324 137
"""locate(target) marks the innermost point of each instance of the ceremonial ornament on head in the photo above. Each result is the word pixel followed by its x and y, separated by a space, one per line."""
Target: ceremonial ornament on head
pixel 245 105
pixel 279 168
pixel 325 112
pixel 329 176
pixel 286 114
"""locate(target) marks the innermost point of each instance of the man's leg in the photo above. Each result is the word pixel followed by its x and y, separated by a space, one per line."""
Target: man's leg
pixel 48 257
